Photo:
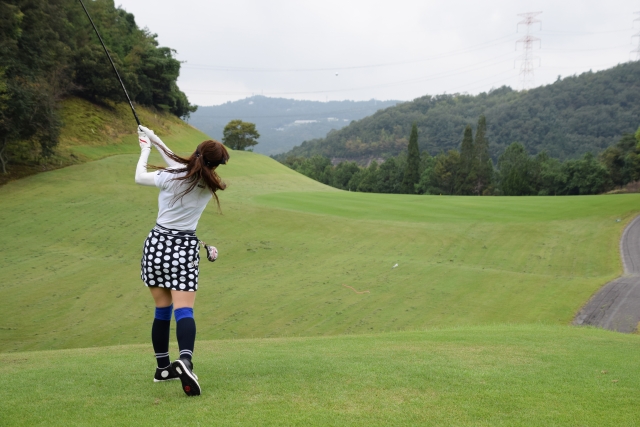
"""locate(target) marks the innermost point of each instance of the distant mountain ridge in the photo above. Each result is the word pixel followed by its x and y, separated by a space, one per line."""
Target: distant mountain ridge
pixel 284 123
pixel 568 118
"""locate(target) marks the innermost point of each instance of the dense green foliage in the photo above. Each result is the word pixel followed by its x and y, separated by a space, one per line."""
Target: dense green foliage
pixel 412 171
pixel 470 171
pixel 48 50
pixel 239 135
pixel 573 116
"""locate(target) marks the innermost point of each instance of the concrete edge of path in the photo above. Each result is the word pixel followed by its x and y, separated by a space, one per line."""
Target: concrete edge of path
pixel 616 306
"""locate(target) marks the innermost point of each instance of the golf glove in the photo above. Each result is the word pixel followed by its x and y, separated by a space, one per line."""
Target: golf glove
pixel 143 139
pixel 151 134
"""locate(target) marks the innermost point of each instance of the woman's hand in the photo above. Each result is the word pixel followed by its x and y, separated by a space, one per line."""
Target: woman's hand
pixel 151 134
pixel 161 146
pixel 143 139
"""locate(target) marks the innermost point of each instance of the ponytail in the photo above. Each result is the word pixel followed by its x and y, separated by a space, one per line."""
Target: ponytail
pixel 199 167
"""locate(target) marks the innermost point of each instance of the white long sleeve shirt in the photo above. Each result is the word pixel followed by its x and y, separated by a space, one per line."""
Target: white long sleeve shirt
pixel 173 213
pixel 179 214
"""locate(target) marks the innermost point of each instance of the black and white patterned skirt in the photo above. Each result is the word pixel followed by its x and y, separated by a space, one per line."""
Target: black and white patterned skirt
pixel 170 259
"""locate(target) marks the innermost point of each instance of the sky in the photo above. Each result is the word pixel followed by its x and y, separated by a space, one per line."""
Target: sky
pixel 388 50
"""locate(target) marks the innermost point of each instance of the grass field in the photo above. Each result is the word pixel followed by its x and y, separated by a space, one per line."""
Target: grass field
pixel 71 242
pixel 307 321
pixel 474 376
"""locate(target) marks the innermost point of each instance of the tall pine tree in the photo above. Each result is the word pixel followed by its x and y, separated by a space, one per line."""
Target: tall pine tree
pixel 484 172
pixel 468 162
pixel 412 172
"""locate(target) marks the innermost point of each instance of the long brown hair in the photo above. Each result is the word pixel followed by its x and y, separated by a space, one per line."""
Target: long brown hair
pixel 199 167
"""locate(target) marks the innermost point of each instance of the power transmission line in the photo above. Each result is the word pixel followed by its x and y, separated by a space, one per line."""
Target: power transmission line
pixel 527 58
pixel 443 74
pixel 526 72
pixel 483 45
pixel 637 49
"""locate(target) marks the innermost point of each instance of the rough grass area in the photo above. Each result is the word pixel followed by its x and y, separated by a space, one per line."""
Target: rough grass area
pixel 477 376
pixel 293 253
pixel 92 132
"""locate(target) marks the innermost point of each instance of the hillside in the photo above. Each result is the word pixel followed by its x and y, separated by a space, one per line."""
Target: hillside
pixel 284 123
pixel 568 118
pixel 50 53
pixel 304 319
pixel 91 131
pixel 290 248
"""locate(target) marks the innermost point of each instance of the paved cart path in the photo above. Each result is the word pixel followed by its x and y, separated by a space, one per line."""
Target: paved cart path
pixel 617 305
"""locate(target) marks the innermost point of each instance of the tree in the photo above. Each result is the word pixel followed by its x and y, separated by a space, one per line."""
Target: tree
pixel 467 177
pixel 29 52
pixel 515 167
pixel 427 163
pixel 343 173
pixel 484 166
pixel 412 172
pixel 318 168
pixel 239 135
pixel 48 50
pixel 586 176
pixel 548 177
pixel 368 182
pixel 390 175
pixel 446 173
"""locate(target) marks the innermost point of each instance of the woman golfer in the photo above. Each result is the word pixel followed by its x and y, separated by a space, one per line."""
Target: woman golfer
pixel 170 256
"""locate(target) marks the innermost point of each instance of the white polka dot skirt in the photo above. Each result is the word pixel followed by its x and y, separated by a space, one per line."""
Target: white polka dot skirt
pixel 170 259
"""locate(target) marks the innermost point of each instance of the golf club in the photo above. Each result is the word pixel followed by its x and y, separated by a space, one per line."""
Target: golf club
pixel 112 64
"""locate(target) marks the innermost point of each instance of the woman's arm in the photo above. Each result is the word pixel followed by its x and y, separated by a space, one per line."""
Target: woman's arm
pixel 142 176
pixel 157 141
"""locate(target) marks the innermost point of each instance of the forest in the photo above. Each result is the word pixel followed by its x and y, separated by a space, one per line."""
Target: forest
pixel 470 170
pixel 566 119
pixel 48 51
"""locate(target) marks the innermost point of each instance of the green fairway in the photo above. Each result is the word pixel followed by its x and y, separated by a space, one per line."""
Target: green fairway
pixel 476 376
pixel 292 254
pixel 352 340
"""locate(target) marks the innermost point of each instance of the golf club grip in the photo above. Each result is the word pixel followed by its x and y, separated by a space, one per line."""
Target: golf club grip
pixel 133 110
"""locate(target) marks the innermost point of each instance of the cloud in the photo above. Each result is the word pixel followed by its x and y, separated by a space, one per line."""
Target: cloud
pixel 380 49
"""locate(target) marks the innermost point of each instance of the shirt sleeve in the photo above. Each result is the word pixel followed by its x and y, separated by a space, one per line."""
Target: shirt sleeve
pixel 143 177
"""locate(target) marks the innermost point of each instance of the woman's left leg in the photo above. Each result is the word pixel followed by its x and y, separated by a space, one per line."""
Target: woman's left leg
pixel 185 323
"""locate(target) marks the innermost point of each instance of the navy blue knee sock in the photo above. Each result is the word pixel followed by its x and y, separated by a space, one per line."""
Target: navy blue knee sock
pixel 185 331
pixel 160 335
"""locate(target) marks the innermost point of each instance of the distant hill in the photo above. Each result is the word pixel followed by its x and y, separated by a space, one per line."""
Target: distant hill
pixel 284 123
pixel 568 118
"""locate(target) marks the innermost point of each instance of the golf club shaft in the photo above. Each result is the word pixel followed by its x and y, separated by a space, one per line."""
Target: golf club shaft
pixel 112 64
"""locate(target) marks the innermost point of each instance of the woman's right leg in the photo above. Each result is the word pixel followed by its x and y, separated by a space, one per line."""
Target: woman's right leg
pixel 186 333
pixel 160 330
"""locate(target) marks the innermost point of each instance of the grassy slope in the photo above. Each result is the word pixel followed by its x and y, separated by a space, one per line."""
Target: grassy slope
pixel 72 237
pixel 92 132
pixel 70 247
pixel 475 376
